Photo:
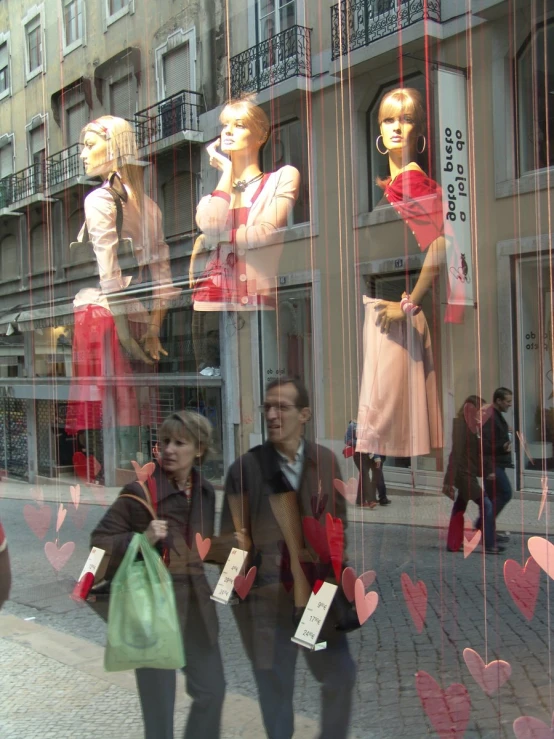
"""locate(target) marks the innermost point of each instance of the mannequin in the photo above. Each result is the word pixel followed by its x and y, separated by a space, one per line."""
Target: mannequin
pixel 242 221
pixel 399 412
pixel 111 339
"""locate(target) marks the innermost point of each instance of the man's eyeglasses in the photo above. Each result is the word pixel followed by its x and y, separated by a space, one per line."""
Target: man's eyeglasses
pixel 277 407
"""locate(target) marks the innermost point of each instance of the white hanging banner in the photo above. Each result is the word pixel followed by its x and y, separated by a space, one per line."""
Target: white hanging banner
pixel 454 181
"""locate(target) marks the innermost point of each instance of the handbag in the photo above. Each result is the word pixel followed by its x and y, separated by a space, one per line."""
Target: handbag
pixel 143 623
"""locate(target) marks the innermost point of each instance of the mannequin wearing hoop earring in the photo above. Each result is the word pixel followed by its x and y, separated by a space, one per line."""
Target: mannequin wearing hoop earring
pixel 399 411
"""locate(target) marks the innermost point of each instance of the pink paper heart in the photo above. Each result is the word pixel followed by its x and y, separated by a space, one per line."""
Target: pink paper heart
pixel 62 513
pixel 143 473
pixel 78 517
pixel 316 536
pixel 415 595
pixel 75 491
pixel 203 546
pixel 38 519
pixel 448 710
pixel 542 552
pixel 349 490
pixel 544 496
pixel 349 578
pixel 335 539
pixel 365 603
pixel 470 544
pixel 528 727
pixel 523 584
pixel 489 677
pixel 243 584
pixel 58 558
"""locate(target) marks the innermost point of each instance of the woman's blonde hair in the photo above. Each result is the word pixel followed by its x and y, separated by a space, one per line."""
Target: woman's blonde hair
pixel 254 117
pixel 188 425
pixel 122 150
pixel 406 100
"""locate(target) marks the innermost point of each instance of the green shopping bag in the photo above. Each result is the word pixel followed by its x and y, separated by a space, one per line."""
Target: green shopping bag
pixel 143 624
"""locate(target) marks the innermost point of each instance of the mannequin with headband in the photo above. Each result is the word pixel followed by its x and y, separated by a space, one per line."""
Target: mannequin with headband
pixel 115 333
pixel 399 411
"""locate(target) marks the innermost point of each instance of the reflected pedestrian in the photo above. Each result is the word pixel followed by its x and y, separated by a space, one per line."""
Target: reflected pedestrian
pixel 371 478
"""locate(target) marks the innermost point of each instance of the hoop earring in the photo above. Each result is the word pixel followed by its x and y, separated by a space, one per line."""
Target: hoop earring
pixel 420 151
pixel 383 153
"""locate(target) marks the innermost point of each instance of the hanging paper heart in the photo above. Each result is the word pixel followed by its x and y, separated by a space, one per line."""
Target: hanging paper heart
pixel 58 558
pixel 415 595
pixel 523 584
pixel 366 603
pixel 528 727
pixel 335 540
pixel 489 677
pixel 348 490
pixel 243 584
pixel 349 578
pixel 542 552
pixel 62 513
pixel 38 519
pixel 471 543
pixel 75 491
pixel 544 496
pixel 448 710
pixel 143 473
pixel 318 505
pixel 317 586
pixel 203 546
pixel 316 536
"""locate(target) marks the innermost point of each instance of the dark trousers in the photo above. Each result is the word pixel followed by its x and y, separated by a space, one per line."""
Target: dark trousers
pixel 499 490
pixel 371 479
pixel 204 682
pixel 333 668
pixel 456 527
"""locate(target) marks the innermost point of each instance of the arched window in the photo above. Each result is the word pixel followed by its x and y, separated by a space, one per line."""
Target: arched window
pixel 39 248
pixel 9 258
pixel 534 75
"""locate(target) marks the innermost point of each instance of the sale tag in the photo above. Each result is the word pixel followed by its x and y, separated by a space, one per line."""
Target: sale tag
pixel 314 615
pixel 233 567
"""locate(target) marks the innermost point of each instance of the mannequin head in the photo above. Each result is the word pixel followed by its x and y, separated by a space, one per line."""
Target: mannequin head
pixel 245 127
pixel 401 119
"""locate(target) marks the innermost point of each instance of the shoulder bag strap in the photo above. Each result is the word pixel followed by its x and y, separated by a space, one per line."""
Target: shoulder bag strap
pixel 118 214
pixel 146 503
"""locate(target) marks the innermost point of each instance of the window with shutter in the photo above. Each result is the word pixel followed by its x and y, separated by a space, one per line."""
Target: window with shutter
pixel 33 32
pixel 77 117
pixel 73 20
pixel 9 262
pixel 4 68
pixel 38 248
pixel 176 70
pixel 288 144
pixel 179 204
pixel 123 98
pixel 6 160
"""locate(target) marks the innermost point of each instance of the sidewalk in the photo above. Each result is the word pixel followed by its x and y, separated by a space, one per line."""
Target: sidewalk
pixel 417 509
pixel 54 686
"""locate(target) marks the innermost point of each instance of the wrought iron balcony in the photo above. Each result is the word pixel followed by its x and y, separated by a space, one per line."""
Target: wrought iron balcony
pixel 278 58
pixel 180 112
pixel 64 165
pixel 359 23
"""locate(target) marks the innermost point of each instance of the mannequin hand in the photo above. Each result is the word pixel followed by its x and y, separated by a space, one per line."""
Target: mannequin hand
pixel 156 530
pixel 133 350
pixel 388 312
pixel 152 345
pixel 217 159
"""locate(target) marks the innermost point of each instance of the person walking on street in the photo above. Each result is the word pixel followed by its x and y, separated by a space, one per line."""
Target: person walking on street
pixel 370 466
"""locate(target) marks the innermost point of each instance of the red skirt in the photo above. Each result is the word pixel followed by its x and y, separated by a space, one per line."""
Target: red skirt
pixel 98 353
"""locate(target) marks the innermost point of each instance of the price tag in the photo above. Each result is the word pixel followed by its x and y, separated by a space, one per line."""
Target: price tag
pixel 233 566
pixel 311 622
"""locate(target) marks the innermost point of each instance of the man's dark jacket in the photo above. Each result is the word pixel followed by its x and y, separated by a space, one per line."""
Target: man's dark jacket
pixel 495 437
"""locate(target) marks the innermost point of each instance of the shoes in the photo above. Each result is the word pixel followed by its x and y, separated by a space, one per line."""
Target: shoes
pixel 367 504
pixel 502 538
pixel 385 501
pixel 449 549
pixel 494 550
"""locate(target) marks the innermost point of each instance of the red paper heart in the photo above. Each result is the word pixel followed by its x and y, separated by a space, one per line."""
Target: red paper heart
pixel 448 710
pixel 58 558
pixel 78 517
pixel 523 584
pixel 316 536
pixel 528 727
pixel 415 596
pixel 489 677
pixel 38 519
pixel 243 584
pixel 203 546
pixel 335 539
pixel 349 578
pixel 317 586
pixel 348 490
pixel 143 473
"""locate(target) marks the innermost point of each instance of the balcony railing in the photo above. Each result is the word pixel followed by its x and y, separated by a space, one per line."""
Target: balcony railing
pixel 64 165
pixel 180 112
pixel 357 24
pixel 278 58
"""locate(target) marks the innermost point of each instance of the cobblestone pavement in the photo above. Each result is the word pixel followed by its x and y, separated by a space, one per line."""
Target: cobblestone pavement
pixel 468 606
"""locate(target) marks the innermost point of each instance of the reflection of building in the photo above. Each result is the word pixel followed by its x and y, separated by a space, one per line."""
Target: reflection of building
pixel 320 74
